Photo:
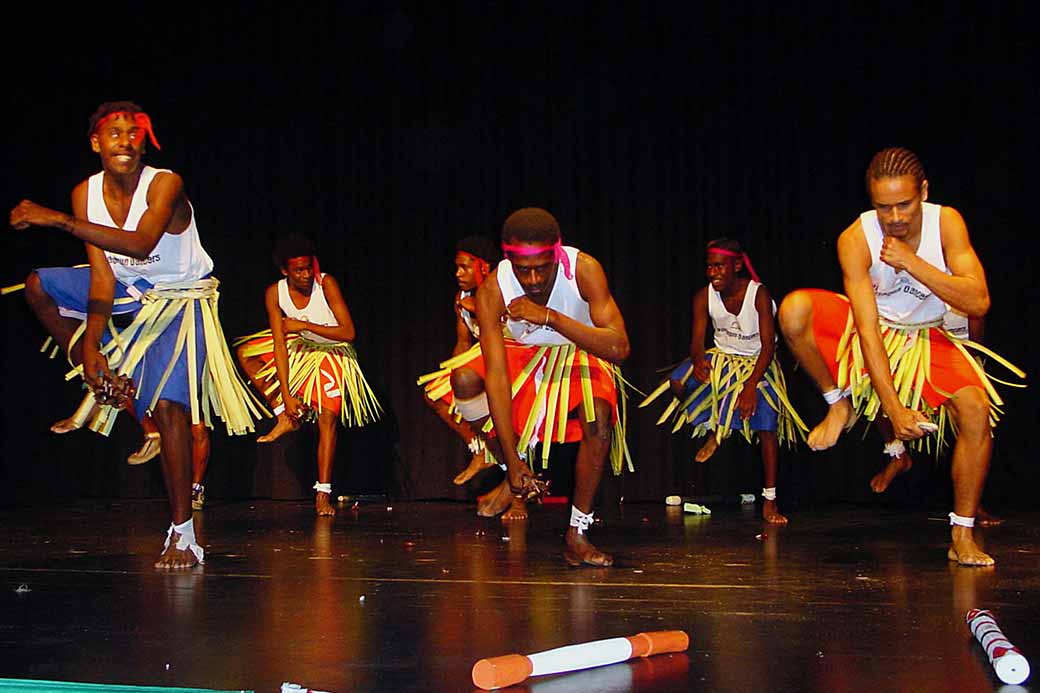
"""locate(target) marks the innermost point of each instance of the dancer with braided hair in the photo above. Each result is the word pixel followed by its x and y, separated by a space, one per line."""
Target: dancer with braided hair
pixel 882 349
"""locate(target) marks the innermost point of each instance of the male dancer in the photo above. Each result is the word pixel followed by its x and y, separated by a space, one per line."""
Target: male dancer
pixel 565 331
pixel 141 240
pixel 474 256
pixel 306 365
pixel 737 384
pixel 902 263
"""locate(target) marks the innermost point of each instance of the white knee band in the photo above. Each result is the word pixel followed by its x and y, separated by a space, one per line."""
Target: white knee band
pixel 956 519
pixel 769 494
pixel 895 448
pixel 322 488
pixel 581 521
pixel 185 539
pixel 473 409
pixel 833 396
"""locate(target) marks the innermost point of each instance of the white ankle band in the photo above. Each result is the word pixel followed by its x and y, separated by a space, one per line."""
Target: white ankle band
pixel 895 448
pixel 960 521
pixel 185 539
pixel 769 493
pixel 279 409
pixel 833 396
pixel 473 409
pixel 475 445
pixel 582 521
pixel 322 488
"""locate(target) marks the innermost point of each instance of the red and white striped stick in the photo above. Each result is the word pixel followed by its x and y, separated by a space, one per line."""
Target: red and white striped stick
pixel 507 670
pixel 1011 666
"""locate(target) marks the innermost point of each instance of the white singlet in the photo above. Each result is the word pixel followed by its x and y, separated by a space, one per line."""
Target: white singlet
pixel 564 298
pixel 316 311
pixel 736 334
pixel 901 299
pixel 956 323
pixel 175 258
pixel 469 318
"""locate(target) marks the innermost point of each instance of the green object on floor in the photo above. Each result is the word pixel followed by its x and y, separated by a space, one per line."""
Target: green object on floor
pixel 30 686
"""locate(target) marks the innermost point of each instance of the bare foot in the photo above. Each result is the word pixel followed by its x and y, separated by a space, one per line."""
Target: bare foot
pixel 322 505
pixel 771 515
pixel 150 447
pixel 984 519
pixel 65 425
pixel 895 467
pixel 517 510
pixel 707 450
pixel 964 550
pixel 176 559
pixel 476 465
pixel 580 551
pixel 495 501
pixel 282 426
pixel 827 432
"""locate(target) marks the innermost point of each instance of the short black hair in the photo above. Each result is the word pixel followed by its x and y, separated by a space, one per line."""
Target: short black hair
pixel 478 246
pixel 531 225
pixel 290 246
pixel 108 108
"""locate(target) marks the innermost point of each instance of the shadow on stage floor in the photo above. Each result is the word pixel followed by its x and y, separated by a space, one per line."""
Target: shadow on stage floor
pixel 407 598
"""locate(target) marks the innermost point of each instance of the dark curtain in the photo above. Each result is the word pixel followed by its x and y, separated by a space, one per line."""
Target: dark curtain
pixel 388 131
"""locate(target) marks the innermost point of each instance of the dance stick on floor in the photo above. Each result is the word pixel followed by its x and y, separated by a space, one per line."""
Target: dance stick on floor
pixel 507 670
pixel 1011 666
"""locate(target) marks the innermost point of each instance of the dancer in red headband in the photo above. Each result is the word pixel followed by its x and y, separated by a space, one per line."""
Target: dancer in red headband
pixel 550 377
pixel 146 260
pixel 474 257
pixel 305 363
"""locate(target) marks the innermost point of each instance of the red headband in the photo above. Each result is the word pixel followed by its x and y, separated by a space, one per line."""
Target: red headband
pixel 315 267
pixel 483 269
pixel 140 119
pixel 559 254
pixel 743 256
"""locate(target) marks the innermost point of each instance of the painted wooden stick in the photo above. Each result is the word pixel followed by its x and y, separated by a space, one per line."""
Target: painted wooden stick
pixel 511 669
pixel 1007 661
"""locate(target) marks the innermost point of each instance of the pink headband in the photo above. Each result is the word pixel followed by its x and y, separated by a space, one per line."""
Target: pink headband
pixel 743 256
pixel 140 119
pixel 559 254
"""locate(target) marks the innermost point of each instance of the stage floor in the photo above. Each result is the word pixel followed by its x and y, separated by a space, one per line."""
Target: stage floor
pixel 849 598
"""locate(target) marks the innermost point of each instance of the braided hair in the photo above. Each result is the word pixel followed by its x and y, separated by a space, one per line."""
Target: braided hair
pixel 894 162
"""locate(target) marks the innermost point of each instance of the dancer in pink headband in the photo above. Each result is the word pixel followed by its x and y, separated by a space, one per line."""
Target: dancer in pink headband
pixel 737 384
pixel 550 376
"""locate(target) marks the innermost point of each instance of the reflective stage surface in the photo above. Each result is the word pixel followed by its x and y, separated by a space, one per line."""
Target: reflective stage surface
pixel 849 598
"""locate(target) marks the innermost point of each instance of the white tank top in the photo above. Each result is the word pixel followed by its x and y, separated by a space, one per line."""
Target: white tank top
pixel 900 298
pixel 564 298
pixel 736 334
pixel 956 323
pixel 175 258
pixel 469 318
pixel 316 311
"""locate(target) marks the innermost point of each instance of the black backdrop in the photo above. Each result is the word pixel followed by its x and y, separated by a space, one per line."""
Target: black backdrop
pixel 388 131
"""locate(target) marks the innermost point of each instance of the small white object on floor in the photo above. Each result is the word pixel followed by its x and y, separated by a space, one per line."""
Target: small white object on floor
pixel 673 500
